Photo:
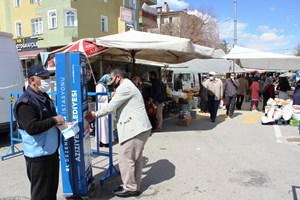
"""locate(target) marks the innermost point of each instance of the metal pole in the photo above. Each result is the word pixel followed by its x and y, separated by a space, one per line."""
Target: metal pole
pixel 235 23
pixel 235 29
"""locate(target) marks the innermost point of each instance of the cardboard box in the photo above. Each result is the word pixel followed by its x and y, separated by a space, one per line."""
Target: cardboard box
pixel 187 121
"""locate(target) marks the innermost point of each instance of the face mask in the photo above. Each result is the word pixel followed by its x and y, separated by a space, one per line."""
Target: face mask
pixel 45 85
pixel 115 84
pixel 211 78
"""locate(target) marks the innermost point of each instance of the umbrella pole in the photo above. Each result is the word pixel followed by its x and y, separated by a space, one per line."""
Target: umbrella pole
pixel 91 71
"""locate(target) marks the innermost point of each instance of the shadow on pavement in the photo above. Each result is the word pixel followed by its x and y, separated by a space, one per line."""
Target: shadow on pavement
pixel 294 191
pixel 201 123
pixel 153 173
pixel 159 171
pixel 4 141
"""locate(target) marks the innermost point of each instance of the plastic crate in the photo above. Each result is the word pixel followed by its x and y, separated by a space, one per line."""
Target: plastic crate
pixel 294 122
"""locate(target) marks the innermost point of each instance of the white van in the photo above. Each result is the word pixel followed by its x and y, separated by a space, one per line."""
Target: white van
pixel 11 78
pixel 189 79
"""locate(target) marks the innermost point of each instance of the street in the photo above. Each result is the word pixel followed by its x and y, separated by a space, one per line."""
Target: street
pixel 231 159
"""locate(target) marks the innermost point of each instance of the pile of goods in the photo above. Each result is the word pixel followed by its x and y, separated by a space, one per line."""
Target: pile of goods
pixel 193 91
pixel 184 118
pixel 281 112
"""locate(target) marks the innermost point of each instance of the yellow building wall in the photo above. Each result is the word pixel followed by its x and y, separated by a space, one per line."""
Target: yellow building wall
pixel 24 13
pixel 88 27
pixel 2 16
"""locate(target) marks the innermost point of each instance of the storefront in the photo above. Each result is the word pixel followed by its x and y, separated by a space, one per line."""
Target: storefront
pixel 28 51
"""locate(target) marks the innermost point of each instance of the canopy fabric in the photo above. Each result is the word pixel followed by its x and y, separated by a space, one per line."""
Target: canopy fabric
pixel 221 66
pixel 85 45
pixel 256 59
pixel 150 46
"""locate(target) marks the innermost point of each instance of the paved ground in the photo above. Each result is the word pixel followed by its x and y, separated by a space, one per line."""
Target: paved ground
pixel 231 159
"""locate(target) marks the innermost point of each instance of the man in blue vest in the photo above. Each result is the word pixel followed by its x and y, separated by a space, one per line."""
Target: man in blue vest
pixel 37 123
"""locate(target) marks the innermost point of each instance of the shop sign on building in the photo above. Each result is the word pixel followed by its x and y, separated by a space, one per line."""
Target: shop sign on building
pixel 26 43
pixel 126 15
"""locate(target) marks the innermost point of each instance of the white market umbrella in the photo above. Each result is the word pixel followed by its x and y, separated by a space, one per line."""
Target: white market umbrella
pixel 133 45
pixel 256 59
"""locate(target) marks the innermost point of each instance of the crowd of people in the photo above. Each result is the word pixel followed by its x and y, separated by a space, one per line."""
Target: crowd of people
pixel 236 89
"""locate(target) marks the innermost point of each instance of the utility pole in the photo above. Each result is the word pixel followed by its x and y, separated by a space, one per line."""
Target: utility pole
pixel 235 29
pixel 235 23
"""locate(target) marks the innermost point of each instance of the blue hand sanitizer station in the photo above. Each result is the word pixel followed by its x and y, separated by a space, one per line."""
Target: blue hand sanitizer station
pixel 72 103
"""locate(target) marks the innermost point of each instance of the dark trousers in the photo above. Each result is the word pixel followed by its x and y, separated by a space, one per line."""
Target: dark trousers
pixel 239 101
pixel 213 106
pixel 230 105
pixel 43 174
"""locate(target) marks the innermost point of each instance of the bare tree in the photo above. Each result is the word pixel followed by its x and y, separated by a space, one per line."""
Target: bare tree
pixel 224 46
pixel 297 50
pixel 199 31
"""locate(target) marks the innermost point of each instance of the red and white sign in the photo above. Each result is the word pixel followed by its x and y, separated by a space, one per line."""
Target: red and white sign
pixel 126 15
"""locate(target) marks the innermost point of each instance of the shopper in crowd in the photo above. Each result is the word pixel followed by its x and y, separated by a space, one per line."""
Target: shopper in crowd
pixel 37 123
pixel 156 95
pixel 242 91
pixel 102 125
pixel 254 94
pixel 230 87
pixel 268 91
pixel 144 87
pixel 178 83
pixel 283 88
pixel 214 87
pixel 133 127
pixel 249 78
pixel 203 96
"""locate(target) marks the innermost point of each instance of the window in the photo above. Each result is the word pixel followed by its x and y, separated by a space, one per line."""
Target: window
pixel 70 17
pixel 18 29
pixel 52 19
pixel 170 20
pixel 37 26
pixel 104 23
pixel 34 1
pixel 17 3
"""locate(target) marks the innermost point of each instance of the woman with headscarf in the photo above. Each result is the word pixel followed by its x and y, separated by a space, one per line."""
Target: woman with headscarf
pixel 102 125
pixel 283 87
pixel 268 91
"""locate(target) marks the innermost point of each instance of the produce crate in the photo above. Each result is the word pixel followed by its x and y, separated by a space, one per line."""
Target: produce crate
pixel 294 122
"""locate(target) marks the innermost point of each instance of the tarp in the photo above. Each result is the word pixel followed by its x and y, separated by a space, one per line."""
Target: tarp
pixel 150 46
pixel 218 64
pixel 221 66
pixel 256 59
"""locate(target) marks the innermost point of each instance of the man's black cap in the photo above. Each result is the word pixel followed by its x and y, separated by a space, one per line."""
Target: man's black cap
pixel 39 70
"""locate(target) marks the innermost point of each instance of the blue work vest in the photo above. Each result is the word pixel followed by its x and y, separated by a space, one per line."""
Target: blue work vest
pixel 47 142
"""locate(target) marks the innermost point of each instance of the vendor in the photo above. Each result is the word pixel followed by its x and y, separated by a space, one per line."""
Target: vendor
pixel 178 83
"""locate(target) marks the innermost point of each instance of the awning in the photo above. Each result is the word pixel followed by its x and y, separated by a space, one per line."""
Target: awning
pixel 28 55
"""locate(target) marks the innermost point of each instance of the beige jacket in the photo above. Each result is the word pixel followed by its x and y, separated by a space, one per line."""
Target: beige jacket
pixel 131 115
pixel 214 87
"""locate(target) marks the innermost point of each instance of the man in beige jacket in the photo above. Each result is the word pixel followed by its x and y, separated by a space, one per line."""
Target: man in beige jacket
pixel 133 127
pixel 214 87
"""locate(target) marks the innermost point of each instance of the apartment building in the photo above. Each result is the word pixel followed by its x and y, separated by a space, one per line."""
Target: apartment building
pixel 44 25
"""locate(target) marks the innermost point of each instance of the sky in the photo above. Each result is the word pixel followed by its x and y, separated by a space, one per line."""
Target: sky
pixel 267 25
